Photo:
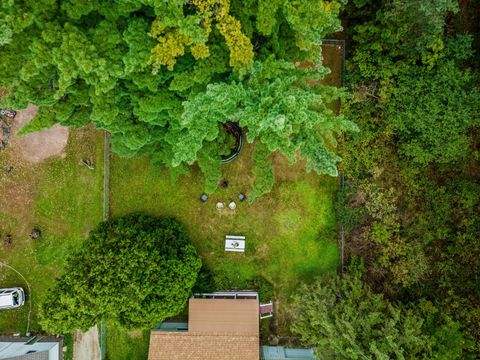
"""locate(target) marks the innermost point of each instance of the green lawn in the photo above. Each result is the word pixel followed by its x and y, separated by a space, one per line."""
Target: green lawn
pixel 123 345
pixel 64 200
pixel 291 232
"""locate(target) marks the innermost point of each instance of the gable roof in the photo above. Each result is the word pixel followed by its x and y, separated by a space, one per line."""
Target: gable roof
pixel 30 348
pixel 233 316
pixel 41 355
pixel 183 346
pixel 220 329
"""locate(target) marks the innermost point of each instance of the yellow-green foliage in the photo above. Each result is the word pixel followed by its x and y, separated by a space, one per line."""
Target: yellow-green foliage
pixel 169 47
pixel 241 49
pixel 192 32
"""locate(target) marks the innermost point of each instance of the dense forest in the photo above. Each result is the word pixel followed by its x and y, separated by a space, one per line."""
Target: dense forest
pixel 412 198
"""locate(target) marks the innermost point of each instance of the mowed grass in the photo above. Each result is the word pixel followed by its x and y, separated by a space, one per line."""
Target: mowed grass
pixel 122 345
pixel 58 196
pixel 290 232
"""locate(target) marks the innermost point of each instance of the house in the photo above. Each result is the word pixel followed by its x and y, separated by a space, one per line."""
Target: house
pixel 25 348
pixel 221 326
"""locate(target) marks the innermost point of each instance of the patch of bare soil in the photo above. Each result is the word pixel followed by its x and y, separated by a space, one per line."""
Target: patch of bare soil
pixel 41 145
pixel 17 189
pixel 135 334
pixel 86 345
pixel 284 171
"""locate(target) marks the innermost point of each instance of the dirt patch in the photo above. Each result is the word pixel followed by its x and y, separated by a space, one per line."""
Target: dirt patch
pixel 332 58
pixel 135 334
pixel 41 145
pixel 86 345
pixel 284 171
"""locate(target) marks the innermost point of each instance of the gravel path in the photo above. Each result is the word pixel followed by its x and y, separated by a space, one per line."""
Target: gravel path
pixel 86 345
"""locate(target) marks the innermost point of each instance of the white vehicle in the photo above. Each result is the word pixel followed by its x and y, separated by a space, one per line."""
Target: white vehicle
pixel 11 298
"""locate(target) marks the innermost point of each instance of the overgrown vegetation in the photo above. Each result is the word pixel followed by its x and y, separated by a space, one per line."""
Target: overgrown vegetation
pixel 136 270
pixel 411 205
pixel 343 319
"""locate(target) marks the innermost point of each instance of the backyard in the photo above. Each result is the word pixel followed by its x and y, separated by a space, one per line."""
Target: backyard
pixel 156 151
pixel 290 232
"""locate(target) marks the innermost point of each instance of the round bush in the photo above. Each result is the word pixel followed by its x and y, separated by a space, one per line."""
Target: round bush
pixel 137 270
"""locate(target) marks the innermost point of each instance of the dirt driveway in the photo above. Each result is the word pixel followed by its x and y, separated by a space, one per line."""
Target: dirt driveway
pixel 86 345
pixel 41 145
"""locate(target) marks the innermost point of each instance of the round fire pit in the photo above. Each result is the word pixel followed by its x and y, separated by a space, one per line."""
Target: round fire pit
pixel 234 130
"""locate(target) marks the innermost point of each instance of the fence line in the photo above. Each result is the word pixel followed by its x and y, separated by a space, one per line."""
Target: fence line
pixel 341 228
pixel 341 231
pixel 106 175
pixel 106 214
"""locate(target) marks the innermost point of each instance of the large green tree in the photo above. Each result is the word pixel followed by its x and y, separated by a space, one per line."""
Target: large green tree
pixel 433 110
pixel 343 319
pixel 136 270
pixel 394 34
pixel 145 70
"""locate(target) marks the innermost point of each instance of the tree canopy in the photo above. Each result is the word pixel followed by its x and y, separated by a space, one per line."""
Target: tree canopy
pixel 146 70
pixel 411 207
pixel 343 319
pixel 136 270
pixel 434 109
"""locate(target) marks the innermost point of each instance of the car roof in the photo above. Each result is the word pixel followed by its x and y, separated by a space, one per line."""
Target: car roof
pixel 6 300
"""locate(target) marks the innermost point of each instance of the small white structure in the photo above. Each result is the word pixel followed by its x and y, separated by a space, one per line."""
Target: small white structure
pixel 30 349
pixel 220 205
pixel 235 243
pixel 232 205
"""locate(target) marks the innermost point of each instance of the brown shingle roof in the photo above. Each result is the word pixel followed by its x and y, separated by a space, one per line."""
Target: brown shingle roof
pixel 194 346
pixel 223 316
pixel 218 329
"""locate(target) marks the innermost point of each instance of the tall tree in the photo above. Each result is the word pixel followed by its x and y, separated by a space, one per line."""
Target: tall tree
pixel 136 270
pixel 433 109
pixel 143 70
pixel 397 33
pixel 343 319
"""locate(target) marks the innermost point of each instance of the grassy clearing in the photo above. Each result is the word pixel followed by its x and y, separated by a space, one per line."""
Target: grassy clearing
pixel 291 232
pixel 123 345
pixel 64 200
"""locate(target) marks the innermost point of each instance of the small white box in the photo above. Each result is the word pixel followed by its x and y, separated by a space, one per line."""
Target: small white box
pixel 235 243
